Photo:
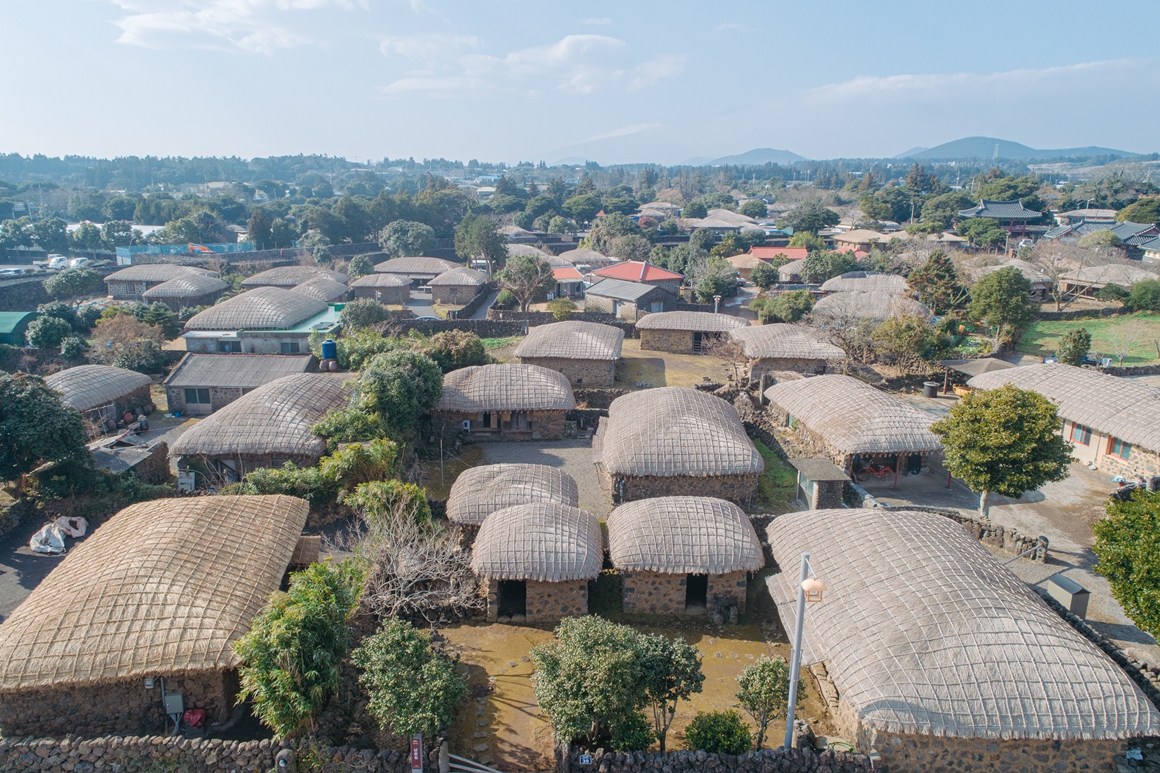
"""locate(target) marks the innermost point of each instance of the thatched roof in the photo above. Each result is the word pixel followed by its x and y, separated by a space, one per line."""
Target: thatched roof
pixel 854 417
pixel 155 272
pixel 674 431
pixel 702 321
pixel 925 632
pixel 323 288
pixel 416 265
pixel 381 280
pixel 583 256
pixel 266 308
pixel 1112 273
pixel 273 419
pixel 1121 407
pixel 744 260
pixel 573 340
pixel 505 388
pixel 187 286
pixel 536 252
pixel 781 341
pixel 91 386
pixel 482 490
pixel 974 367
pixel 1029 270
pixel 543 541
pixel 290 276
pixel 876 306
pixel 862 236
pixel 461 276
pixel 683 535
pixel 862 282
pixel 164 587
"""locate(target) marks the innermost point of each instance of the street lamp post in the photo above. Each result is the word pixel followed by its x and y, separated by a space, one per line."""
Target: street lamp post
pixel 716 302
pixel 809 589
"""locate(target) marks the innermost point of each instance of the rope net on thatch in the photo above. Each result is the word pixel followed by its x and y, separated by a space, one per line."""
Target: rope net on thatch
pixel 460 276
pixel 276 418
pixel 924 632
pixel 323 288
pixel 891 284
pixel 674 431
pixel 544 541
pixel 266 308
pixel 163 587
pixel 291 276
pixel 91 386
pixel 683 535
pixel 1123 408
pixel 381 280
pixel 188 286
pixel 854 417
pixel 481 491
pixel 781 341
pixel 573 340
pixel 873 306
pixel 416 265
pixel 586 257
pixel 156 272
pixel 701 321
pixel 505 388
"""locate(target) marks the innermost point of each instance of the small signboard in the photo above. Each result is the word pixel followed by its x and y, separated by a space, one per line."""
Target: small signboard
pixel 417 754
pixel 585 759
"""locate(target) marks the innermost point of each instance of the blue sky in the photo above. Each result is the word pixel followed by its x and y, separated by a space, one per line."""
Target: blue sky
pixel 510 80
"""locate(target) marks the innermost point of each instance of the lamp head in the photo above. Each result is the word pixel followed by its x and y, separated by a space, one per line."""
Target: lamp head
pixel 814 589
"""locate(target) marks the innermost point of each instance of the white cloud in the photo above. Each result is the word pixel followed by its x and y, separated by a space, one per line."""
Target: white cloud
pixel 433 84
pixel 247 25
pixel 655 70
pixel 428 48
pixel 729 25
pixel 626 131
pixel 602 21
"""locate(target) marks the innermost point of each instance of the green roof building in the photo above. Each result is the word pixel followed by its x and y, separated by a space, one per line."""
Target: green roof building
pixel 13 324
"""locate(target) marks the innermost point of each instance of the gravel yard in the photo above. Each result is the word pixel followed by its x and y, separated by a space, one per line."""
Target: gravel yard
pixel 573 456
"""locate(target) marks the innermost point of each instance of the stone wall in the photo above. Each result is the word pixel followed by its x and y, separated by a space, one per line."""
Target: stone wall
pixel 250 462
pixel 1108 311
pixel 1140 463
pixel 547 602
pixel 114 707
pixel 22 294
pixel 483 328
pixel 453 295
pixel 653 593
pixel 591 373
pixel 1131 370
pixel 728 590
pixel 735 488
pixel 797 760
pixel 219 397
pixel 154 468
pixel 674 341
pixel 195 755
pixel 542 425
pixel 599 399
pixel 907 753
pixel 767 366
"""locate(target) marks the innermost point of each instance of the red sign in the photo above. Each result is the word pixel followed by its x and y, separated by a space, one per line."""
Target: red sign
pixel 417 754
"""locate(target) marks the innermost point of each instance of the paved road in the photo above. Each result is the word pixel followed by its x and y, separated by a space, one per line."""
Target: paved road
pixel 481 313
pixel 21 570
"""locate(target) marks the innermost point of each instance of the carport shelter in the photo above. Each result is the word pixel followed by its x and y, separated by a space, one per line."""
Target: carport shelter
pixel 536 560
pixel 942 659
pixel 853 424
pixel 684 332
pixel 159 592
pixel 13 325
pixel 480 491
pixel 683 555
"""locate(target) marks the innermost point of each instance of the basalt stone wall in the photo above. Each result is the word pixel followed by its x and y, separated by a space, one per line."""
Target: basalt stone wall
pixel 22 294
pixel 550 601
pixel 155 468
pixel 219 397
pixel 542 425
pixel 735 488
pixel 194 755
pixel 114 707
pixel 675 341
pixel 592 373
pixel 388 295
pixel 907 753
pixel 798 760
pixel 653 593
pixel 728 589
pixel 454 294
pixel 600 399
pixel 1131 370
pixel 1142 463
pixel 1108 311
pixel 484 328
pixel 765 366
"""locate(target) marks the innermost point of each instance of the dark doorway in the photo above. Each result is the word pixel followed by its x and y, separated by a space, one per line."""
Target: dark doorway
pixel 513 598
pixel 698 342
pixel 696 590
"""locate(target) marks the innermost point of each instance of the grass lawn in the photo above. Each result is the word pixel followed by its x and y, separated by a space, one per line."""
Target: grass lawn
pixel 777 486
pixel 1043 337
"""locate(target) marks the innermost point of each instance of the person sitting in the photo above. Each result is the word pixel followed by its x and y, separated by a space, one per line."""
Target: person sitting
pixel 142 422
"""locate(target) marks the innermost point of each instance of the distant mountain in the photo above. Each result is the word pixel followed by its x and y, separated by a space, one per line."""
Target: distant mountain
pixel 984 147
pixel 696 161
pixel 757 157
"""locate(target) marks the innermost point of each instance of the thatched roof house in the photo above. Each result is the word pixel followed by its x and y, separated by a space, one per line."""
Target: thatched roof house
pixel 537 559
pixel 457 285
pixel 418 270
pixel 848 307
pixel 267 427
pixel 163 589
pixel 684 332
pixel 506 402
pixel 674 553
pixel 851 422
pixel 103 391
pixel 1089 280
pixel 268 320
pixel 131 282
pixel 287 277
pixel 1114 423
pixel 675 441
pixel 324 289
pixel 953 654
pixel 864 282
pixel 204 383
pixel 582 256
pixel 781 347
pixel 187 290
pixel 480 491
pixel 585 352
pixel 384 288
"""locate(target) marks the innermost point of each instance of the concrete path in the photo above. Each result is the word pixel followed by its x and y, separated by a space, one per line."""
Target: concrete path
pixel 481 312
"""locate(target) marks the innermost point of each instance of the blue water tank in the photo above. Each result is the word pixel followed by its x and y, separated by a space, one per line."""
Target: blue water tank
pixel 329 350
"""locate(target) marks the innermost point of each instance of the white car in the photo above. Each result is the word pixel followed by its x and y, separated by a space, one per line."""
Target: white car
pixel 78 262
pixel 57 262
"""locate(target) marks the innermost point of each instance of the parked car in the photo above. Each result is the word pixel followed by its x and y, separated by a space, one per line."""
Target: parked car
pixel 1091 358
pixel 78 262
pixel 57 262
pixel 11 273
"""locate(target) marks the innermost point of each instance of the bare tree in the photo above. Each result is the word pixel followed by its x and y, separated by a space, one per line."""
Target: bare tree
pixel 1054 259
pixel 1124 336
pixel 729 351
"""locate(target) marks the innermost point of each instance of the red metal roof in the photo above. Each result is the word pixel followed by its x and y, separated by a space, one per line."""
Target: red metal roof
pixel 636 271
pixel 768 253
pixel 566 274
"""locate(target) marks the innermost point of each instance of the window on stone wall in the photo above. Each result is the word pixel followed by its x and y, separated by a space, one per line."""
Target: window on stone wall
pixel 1120 448
pixel 197 397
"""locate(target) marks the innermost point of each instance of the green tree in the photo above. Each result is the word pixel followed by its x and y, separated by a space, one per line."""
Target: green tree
pixel 260 229
pixel 1099 239
pixel 412 689
pixel 764 275
pixel 717 278
pixel 1112 293
pixel 937 283
pixel 1144 296
pixel 1128 549
pixel 73 348
pixel 820 266
pixel 560 225
pixel 454 349
pixel 1145 210
pixel 160 315
pixel 479 237
pixel 910 342
pixel 360 265
pixel 695 209
pixel 398 387
pixel 582 208
pixel 1001 300
pixel 363 312
pixel 51 235
pixel 811 242
pixel 292 656
pixel 1074 346
pixel 47 332
pixel 791 306
pixel 87 236
pixel 718 732
pixel 562 308
pixel 35 426
pixel 526 277
pixel 672 672
pixel 943 211
pixel 407 238
pixel 982 231
pixel 875 209
pixel 810 216
pixel 1005 440
pixel 764 693
pixel 754 208
pixel 72 282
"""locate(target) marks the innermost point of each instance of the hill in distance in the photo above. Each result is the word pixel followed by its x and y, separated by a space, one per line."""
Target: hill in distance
pixel 984 147
pixel 757 157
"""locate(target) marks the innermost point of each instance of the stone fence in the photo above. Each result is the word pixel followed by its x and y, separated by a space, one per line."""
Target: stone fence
pixel 484 328
pixel 1108 311
pixel 196 755
pixel 798 760
pixel 1130 370
pixel 22 294
pixel 597 398
pixel 473 305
